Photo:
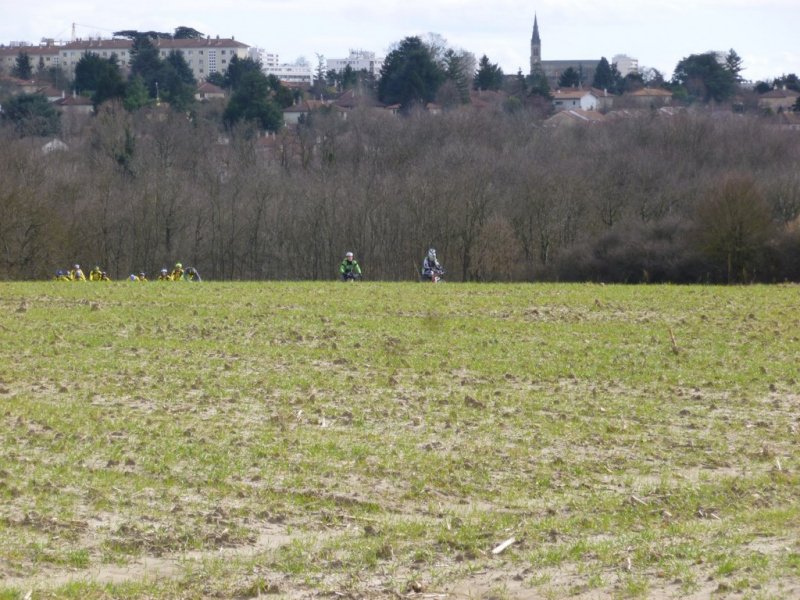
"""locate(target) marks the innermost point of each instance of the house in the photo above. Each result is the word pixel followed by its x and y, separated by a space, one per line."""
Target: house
pixel 208 91
pixel 293 114
pixel 52 94
pixel 75 105
pixel 574 116
pixel 647 98
pixel 605 101
pixel 574 98
pixel 778 100
pixel 355 98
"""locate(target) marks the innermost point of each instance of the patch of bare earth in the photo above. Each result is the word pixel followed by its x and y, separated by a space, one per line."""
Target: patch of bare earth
pixel 151 568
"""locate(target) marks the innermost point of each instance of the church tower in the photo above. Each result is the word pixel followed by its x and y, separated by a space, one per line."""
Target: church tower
pixel 536 49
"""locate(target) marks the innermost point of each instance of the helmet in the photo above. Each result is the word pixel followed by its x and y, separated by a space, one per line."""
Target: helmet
pixel 178 266
pixel 141 274
pixel 96 267
pixel 349 255
pixel 76 266
pixel 164 271
pixel 431 253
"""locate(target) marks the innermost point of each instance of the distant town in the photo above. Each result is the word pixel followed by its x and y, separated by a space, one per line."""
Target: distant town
pixel 188 66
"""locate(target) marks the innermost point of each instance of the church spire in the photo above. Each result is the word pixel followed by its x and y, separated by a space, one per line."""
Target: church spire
pixel 536 48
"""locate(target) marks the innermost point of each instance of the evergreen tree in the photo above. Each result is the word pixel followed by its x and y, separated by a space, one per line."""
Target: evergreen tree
pixel 146 63
pixel 489 76
pixel 176 81
pixel 607 77
pixel 136 95
pixel 187 33
pixel 348 78
pixel 538 86
pixel 22 67
pixel 733 62
pixel 31 114
pixel 251 102
pixel 569 78
pixel 100 76
pixel 410 75
pixel 702 77
pixel 456 72
pixel 238 68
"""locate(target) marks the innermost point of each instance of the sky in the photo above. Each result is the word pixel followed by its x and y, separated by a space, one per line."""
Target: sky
pixel 657 33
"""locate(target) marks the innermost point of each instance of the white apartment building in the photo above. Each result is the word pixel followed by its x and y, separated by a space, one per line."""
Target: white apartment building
pixel 204 56
pixel 298 72
pixel 625 64
pixel 268 59
pixel 358 60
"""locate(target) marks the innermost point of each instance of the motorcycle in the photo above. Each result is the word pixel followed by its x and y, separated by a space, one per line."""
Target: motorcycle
pixel 435 276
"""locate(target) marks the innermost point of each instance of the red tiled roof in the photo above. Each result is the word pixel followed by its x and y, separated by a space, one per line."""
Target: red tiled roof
pixel 647 92
pixel 74 101
pixel 574 94
pixel 780 94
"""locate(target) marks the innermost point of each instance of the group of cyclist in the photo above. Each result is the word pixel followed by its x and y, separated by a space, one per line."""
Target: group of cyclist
pixel 178 273
pixel 432 270
pixel 349 270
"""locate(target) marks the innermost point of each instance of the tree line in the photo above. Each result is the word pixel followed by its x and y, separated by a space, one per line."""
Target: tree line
pixel 691 198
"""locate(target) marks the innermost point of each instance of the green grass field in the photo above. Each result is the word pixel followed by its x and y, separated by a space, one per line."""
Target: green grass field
pixel 373 440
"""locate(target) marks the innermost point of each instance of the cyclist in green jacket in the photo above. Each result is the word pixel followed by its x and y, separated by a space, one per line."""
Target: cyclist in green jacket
pixel 349 269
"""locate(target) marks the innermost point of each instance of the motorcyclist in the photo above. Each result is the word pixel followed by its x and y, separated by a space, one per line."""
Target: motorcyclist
pixel 191 274
pixel 76 274
pixel 177 272
pixel 349 269
pixel 96 274
pixel 431 268
pixel 164 275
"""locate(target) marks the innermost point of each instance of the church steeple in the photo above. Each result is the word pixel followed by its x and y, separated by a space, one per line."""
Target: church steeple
pixel 536 48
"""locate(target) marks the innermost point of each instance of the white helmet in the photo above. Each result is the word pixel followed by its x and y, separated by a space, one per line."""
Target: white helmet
pixel 432 253
pixel 349 255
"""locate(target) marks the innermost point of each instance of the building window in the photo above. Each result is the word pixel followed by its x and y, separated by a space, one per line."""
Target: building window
pixel 223 52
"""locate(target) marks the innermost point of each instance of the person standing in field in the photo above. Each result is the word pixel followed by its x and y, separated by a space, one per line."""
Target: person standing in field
pixel 349 269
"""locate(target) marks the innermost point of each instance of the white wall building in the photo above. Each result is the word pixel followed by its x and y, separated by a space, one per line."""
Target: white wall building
pixel 574 98
pixel 204 56
pixel 298 72
pixel 268 59
pixel 358 60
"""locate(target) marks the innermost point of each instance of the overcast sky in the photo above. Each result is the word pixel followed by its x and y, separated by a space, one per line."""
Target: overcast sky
pixel 659 34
